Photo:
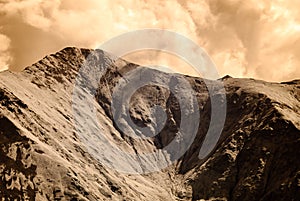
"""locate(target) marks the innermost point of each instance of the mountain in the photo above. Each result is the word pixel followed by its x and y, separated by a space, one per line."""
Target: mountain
pixel 65 134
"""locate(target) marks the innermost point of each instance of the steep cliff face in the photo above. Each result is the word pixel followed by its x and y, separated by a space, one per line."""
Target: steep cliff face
pixel 46 153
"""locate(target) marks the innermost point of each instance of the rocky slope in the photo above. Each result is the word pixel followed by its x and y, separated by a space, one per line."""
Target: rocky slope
pixel 45 155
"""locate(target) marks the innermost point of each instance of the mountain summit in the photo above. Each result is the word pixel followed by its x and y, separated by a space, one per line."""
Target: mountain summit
pixel 49 150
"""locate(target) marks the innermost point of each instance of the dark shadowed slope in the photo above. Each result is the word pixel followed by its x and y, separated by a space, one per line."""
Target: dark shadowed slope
pixel 43 157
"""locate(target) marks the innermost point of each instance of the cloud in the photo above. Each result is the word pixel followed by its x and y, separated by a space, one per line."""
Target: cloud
pixel 38 27
pixel 4 55
pixel 255 38
pixel 250 38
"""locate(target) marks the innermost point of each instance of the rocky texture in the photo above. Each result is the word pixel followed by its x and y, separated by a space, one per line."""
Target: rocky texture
pixel 43 158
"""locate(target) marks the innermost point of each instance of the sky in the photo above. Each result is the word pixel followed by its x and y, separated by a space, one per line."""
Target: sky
pixel 253 38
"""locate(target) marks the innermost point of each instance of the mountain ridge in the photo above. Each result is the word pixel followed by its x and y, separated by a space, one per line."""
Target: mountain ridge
pixel 255 158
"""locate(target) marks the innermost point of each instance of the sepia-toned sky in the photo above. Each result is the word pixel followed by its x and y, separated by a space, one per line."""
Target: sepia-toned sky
pixel 253 38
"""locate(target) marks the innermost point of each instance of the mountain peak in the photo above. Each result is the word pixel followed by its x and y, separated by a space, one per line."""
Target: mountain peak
pixel 56 147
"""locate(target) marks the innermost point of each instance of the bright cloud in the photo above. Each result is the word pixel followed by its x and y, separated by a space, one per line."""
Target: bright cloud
pixel 255 38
